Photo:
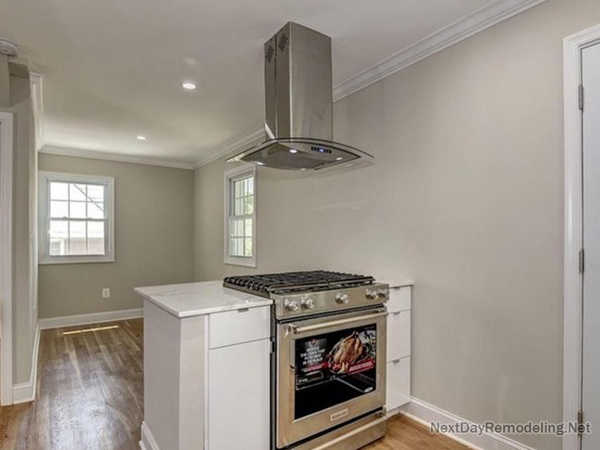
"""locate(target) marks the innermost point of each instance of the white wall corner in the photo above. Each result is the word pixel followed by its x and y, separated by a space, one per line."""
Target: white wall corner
pixel 25 392
pixel 465 27
pixel 426 413
pixel 85 319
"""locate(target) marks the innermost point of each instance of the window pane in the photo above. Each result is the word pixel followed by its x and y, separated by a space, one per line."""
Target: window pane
pixel 249 205
pixel 248 247
pixel 248 229
pixel 251 185
pixel 236 228
pixel 77 210
pixel 96 238
pixel 78 192
pixel 58 236
pixel 236 247
pixel 77 244
pixel 95 210
pixel 59 209
pixel 59 191
pixel 95 192
pixel 238 210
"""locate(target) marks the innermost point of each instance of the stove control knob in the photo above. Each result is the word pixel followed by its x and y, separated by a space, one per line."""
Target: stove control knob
pixel 342 299
pixel 291 305
pixel 371 294
pixel 382 294
pixel 308 302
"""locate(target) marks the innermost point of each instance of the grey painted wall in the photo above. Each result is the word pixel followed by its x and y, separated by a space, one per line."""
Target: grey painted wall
pixel 466 198
pixel 153 239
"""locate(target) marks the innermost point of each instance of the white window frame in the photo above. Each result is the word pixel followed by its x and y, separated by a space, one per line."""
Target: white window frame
pixel 232 174
pixel 44 217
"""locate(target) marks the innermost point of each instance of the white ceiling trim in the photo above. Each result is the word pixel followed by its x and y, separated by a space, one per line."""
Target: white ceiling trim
pixel 458 31
pixel 235 147
pixel 469 25
pixel 118 157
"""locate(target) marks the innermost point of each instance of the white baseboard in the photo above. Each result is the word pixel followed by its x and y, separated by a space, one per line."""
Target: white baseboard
pixel 25 392
pixel 147 442
pixel 84 319
pixel 426 413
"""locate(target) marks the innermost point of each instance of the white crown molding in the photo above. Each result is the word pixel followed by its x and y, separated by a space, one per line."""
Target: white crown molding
pixel 85 319
pixel 234 147
pixel 118 157
pixel 467 26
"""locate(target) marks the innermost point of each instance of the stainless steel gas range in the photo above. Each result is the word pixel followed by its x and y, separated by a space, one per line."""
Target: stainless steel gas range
pixel 328 366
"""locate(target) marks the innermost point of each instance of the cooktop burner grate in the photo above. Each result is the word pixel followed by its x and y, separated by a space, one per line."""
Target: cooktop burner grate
pixel 317 280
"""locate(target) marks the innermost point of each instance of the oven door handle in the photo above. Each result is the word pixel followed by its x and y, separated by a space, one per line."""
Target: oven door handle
pixel 299 330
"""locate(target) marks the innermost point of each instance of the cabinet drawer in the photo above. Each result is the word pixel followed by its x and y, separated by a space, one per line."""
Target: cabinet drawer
pixel 238 397
pixel 398 332
pixel 400 298
pixel 397 383
pixel 235 327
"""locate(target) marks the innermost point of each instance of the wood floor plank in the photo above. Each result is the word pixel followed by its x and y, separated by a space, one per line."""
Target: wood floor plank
pixel 90 397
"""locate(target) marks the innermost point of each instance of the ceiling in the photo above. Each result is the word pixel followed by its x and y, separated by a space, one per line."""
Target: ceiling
pixel 113 69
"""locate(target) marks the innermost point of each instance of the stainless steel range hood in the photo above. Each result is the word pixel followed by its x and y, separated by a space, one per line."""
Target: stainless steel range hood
pixel 299 106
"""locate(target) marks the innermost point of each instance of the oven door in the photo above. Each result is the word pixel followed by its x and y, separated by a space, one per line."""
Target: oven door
pixel 329 370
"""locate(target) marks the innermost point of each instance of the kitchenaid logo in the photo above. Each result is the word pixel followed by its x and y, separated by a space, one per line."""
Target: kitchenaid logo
pixel 543 427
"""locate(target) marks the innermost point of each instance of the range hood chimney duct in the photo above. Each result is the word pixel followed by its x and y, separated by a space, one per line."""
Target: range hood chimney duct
pixel 299 105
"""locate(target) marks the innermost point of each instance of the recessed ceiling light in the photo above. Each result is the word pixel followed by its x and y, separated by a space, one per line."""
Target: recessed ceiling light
pixel 339 158
pixel 293 150
pixel 260 163
pixel 139 137
pixel 189 85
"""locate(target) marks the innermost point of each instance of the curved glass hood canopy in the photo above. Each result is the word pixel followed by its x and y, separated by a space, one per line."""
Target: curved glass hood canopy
pixel 299 106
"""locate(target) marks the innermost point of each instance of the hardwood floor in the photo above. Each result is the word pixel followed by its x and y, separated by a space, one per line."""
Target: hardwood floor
pixel 90 396
pixel 89 392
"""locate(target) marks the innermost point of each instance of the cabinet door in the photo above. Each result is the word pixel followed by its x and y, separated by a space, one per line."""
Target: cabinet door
pixel 397 383
pixel 238 397
pixel 398 329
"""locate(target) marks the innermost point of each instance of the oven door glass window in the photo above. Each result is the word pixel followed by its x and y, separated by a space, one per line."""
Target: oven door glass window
pixel 333 368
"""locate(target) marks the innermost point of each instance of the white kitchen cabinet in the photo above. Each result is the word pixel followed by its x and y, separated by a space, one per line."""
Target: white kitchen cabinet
pixel 206 369
pixel 398 383
pixel 398 346
pixel 398 326
pixel 238 397
pixel 243 325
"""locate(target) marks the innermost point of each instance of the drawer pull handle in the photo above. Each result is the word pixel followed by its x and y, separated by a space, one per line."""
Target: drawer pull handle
pixel 396 361
pixel 243 309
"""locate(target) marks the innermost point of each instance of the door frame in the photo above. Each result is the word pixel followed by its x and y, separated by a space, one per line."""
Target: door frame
pixel 573 232
pixel 6 301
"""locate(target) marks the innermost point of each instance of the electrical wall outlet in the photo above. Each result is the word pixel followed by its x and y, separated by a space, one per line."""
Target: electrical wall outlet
pixel 105 292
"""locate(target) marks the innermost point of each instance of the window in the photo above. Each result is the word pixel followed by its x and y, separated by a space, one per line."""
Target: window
pixel 76 218
pixel 240 217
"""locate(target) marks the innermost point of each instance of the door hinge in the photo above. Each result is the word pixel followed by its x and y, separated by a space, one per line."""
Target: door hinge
pixel 580 97
pixel 580 422
pixel 581 261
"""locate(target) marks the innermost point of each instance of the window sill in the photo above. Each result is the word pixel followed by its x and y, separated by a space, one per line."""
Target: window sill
pixel 76 260
pixel 239 261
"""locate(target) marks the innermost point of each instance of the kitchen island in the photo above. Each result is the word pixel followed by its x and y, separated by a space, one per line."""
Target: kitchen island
pixel 206 368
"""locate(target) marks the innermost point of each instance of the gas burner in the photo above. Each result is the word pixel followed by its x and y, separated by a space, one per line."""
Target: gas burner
pixel 290 282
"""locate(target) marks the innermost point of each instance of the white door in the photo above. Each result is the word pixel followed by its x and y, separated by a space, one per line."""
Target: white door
pixel 238 396
pixel 591 243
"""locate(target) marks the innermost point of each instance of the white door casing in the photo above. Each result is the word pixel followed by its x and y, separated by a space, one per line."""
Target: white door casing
pixel 590 399
pixel 6 188
pixel 573 226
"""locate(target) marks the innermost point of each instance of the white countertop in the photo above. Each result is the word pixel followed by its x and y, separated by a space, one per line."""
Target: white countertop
pixel 196 299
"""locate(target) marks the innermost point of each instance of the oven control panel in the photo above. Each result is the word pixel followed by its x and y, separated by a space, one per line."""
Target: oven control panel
pixel 307 303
